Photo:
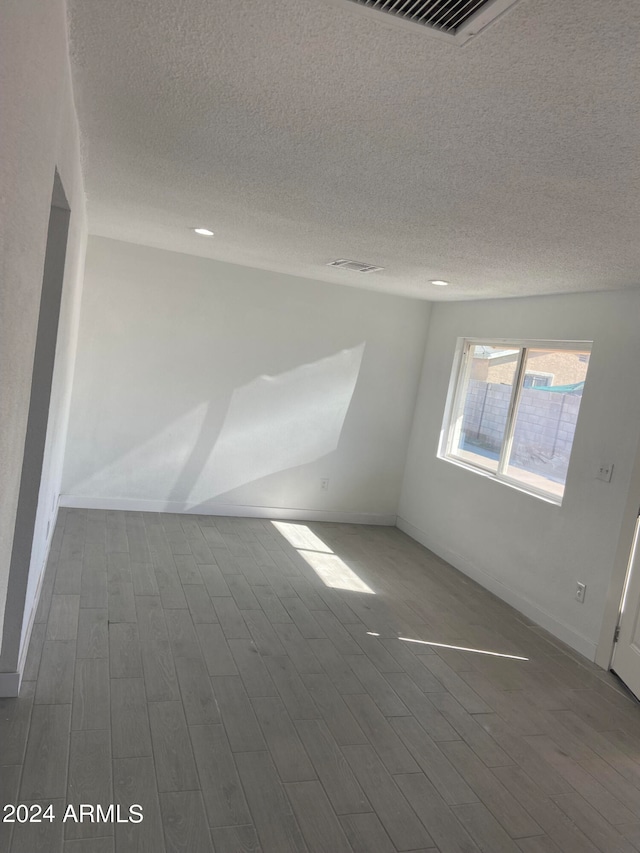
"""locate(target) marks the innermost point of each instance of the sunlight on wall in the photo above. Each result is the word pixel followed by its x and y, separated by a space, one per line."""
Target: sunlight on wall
pixel 272 424
pixel 331 570
pixel 279 422
pixel 150 467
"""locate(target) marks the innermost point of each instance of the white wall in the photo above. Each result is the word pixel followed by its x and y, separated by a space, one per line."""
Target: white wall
pixel 39 133
pixel 527 551
pixel 209 387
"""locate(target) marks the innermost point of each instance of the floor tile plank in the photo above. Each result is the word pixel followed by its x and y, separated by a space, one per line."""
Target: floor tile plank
pixel 9 783
pixel 392 752
pixel 89 780
pixel 15 717
pixel 275 824
pixel 490 790
pixel 93 633
pixel 185 824
pixel 183 638
pixel 468 729
pixel 422 707
pixel 90 845
pixel 485 830
pixel 398 818
pixel 55 677
pixel 340 783
pixel 365 833
pixel 377 686
pixel 335 666
pixel 161 682
pixel 433 761
pixel 252 669
pixel 317 820
pixel 287 752
pixel 91 694
pixel 125 660
pixel 34 654
pixel 130 733
pixel 134 781
pixel 63 617
pixel 222 792
pixel 215 650
pixel 45 837
pixel 199 604
pixel 175 765
pixel 200 706
pixel 237 713
pixel 343 725
pixel 298 649
pixel 447 831
pixel 45 764
pixel 292 691
pixel 121 601
pixel 597 829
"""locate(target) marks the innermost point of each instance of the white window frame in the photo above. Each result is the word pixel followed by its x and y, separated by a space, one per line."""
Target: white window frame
pixel 452 423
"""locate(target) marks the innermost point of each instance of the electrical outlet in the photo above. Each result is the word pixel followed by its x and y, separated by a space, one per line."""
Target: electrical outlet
pixel 605 472
pixel 324 484
pixel 581 589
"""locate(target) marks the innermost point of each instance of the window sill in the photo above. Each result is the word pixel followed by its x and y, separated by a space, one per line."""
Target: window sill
pixel 518 485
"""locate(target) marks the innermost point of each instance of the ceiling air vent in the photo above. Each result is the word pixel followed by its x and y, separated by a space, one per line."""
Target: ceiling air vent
pixel 355 266
pixel 454 20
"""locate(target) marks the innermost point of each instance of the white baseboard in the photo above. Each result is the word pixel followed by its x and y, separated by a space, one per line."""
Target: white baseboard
pixel 235 510
pixel 567 635
pixel 9 684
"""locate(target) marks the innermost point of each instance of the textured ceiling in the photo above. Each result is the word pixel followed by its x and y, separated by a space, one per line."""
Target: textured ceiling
pixel 306 130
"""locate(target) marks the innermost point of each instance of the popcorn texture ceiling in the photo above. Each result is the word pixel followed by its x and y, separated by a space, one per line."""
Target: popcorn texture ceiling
pixel 301 131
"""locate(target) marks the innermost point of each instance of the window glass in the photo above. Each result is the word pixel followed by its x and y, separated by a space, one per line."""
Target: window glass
pixel 515 412
pixel 545 420
pixel 484 404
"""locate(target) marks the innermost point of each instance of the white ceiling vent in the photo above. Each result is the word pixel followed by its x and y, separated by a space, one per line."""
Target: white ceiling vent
pixel 454 20
pixel 354 266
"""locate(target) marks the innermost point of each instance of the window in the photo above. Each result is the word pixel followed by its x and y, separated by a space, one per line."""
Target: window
pixel 513 411
pixel 537 380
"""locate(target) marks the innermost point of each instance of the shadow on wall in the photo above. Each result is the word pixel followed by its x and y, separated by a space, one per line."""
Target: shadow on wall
pixel 273 423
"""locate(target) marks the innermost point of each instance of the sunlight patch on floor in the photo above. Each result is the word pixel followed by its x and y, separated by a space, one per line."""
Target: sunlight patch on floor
pixel 331 570
pixel 334 572
pixel 463 649
pixel 300 536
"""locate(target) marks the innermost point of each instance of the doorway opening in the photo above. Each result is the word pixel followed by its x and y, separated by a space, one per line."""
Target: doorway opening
pixel 17 608
pixel 626 651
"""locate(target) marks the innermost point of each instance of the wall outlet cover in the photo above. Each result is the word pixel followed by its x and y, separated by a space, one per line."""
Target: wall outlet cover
pixel 605 472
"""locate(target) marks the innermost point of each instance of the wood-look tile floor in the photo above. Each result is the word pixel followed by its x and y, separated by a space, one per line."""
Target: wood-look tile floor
pixel 200 667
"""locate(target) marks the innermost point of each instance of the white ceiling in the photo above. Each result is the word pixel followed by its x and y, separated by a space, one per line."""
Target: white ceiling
pixel 306 130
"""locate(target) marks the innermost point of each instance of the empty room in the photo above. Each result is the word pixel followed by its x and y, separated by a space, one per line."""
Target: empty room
pixel 319 426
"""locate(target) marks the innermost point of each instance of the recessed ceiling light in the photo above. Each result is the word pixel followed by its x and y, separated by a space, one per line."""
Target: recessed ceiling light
pixel 204 231
pixel 439 282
